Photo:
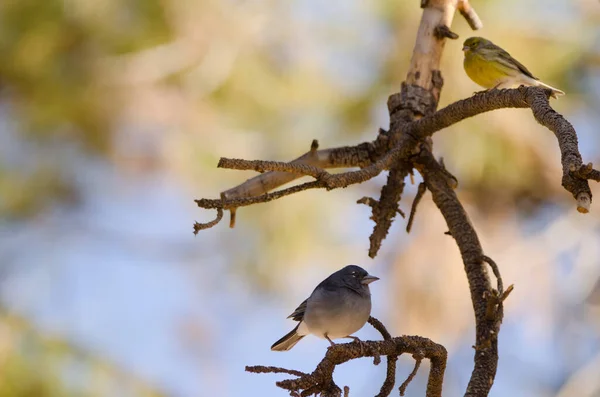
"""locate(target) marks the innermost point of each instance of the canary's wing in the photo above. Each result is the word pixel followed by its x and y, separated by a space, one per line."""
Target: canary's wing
pixel 507 60
pixel 298 314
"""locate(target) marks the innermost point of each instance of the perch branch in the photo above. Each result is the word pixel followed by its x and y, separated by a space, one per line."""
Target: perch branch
pixel 536 99
pixel 321 379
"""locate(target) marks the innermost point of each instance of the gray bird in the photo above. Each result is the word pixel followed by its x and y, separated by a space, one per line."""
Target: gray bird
pixel 337 308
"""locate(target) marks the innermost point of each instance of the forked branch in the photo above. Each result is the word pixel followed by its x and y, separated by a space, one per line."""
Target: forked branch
pixel 320 381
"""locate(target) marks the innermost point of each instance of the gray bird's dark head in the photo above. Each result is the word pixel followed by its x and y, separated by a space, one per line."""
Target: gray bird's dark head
pixel 355 276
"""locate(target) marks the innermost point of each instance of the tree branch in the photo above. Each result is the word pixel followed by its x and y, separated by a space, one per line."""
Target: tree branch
pixel 486 329
pixel 321 379
pixel 413 209
pixel 469 14
pixel 340 157
pixel 535 98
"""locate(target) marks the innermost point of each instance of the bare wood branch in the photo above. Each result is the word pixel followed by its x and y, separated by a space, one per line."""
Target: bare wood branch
pixel 265 198
pixel 340 157
pixel 264 165
pixel 469 14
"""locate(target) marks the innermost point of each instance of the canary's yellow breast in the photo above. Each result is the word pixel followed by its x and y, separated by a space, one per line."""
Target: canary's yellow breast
pixel 483 72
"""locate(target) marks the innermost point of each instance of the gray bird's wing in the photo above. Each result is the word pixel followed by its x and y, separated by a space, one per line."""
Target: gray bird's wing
pixel 298 314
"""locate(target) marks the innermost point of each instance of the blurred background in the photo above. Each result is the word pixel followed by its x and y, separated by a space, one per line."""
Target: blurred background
pixel 113 115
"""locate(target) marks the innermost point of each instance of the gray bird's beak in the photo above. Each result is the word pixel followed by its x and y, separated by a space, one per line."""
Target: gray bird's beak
pixel 368 279
pixel 465 48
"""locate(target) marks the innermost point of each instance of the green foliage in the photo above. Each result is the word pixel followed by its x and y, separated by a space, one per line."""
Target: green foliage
pixel 34 364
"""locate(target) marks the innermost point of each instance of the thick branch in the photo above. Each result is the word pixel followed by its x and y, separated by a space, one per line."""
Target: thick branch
pixel 486 354
pixel 523 97
pixel 569 150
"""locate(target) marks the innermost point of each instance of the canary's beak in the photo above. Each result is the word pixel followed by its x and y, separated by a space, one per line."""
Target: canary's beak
pixel 465 48
pixel 368 279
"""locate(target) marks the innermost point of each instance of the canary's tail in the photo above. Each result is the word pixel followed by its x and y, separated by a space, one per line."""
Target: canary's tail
pixel 288 341
pixel 555 91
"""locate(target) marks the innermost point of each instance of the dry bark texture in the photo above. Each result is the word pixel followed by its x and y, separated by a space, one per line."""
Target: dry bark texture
pixel 405 146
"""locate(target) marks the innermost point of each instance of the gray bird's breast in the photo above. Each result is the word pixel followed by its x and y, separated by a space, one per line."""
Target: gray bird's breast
pixel 337 313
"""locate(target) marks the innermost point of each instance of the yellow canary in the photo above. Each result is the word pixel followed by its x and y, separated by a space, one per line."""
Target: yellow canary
pixel 491 67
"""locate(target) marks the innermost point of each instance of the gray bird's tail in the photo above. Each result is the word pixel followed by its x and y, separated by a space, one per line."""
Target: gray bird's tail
pixel 288 341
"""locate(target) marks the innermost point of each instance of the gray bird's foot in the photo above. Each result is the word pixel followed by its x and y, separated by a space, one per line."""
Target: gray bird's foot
pixel 362 344
pixel 330 341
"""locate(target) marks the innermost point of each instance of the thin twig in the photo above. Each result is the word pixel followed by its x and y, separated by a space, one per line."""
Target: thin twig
pixel 413 210
pixel 496 271
pixel 261 369
pixel 586 171
pixel 201 226
pixel 390 377
pixel 265 198
pixel 412 375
